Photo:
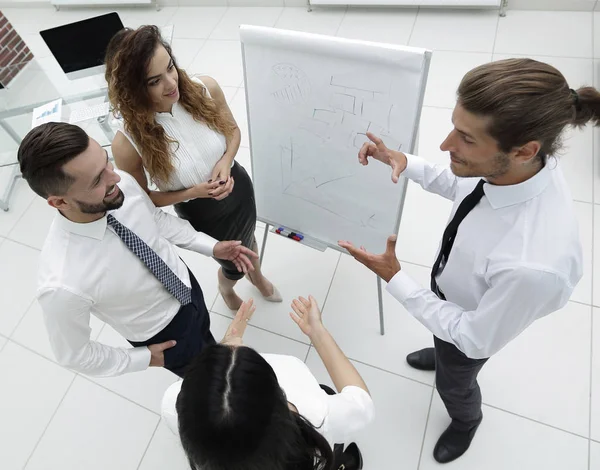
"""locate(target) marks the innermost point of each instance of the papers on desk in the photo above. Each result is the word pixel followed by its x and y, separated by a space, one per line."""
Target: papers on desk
pixel 50 112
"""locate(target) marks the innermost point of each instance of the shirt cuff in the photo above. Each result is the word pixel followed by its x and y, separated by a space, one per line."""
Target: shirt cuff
pixel 203 244
pixel 140 359
pixel 415 167
pixel 402 286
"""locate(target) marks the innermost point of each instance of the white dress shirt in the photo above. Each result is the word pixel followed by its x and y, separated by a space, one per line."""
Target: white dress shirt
pixel 87 269
pixel 517 257
pixel 337 417
pixel 196 151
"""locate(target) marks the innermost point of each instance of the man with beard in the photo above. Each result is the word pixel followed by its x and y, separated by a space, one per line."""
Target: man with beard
pixel 511 252
pixel 110 252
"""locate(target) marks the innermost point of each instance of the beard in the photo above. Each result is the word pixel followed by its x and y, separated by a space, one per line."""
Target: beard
pixel 498 166
pixel 102 207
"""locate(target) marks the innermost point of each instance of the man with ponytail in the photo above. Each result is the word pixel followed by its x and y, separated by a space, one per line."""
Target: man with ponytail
pixel 510 253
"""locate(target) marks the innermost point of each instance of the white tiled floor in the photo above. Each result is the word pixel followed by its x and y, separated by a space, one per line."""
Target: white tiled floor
pixel 541 393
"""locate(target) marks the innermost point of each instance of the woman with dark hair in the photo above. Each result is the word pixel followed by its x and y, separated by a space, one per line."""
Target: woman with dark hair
pixel 237 409
pixel 180 131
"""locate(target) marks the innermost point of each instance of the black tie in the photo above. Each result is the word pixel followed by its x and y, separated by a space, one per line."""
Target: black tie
pixel 466 206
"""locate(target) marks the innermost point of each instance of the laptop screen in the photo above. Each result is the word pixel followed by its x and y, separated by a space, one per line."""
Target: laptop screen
pixel 82 45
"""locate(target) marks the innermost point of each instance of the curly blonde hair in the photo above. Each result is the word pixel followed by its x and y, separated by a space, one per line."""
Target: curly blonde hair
pixel 127 60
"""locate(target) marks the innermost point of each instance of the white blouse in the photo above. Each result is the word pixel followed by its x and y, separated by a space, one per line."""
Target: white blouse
pixel 337 417
pixel 198 150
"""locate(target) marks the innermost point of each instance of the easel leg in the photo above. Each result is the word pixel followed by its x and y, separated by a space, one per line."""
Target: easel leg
pixel 264 243
pixel 308 6
pixel 380 298
pixel 503 7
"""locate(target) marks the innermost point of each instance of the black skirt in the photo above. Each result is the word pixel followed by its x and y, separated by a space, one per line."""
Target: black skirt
pixel 232 218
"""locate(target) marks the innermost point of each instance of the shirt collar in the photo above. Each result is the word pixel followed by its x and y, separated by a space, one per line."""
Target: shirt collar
pixel 504 196
pixel 95 229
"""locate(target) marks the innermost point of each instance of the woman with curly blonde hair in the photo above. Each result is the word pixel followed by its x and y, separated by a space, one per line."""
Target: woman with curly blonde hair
pixel 180 131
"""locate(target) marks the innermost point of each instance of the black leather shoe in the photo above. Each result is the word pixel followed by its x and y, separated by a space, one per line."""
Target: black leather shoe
pixel 352 458
pixel 422 360
pixel 452 444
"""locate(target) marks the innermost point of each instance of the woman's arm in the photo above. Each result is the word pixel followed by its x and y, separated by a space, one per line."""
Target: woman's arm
pixel 128 159
pixel 233 140
pixel 308 317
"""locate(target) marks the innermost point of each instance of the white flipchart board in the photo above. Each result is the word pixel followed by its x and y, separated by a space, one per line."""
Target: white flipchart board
pixel 311 99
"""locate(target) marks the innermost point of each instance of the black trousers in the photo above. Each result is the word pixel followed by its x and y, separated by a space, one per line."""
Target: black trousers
pixel 232 218
pixel 456 382
pixel 190 328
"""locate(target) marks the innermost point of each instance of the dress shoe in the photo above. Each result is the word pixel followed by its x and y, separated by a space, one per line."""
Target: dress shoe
pixel 422 360
pixel 352 458
pixel 453 443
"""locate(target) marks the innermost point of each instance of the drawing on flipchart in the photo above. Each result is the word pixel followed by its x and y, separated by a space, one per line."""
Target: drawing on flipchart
pixel 356 105
pixel 293 86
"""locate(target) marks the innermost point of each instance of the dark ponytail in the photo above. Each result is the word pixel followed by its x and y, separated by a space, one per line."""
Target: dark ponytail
pixel 587 106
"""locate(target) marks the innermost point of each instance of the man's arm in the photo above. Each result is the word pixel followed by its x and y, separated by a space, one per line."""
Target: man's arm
pixel 67 317
pixel 176 230
pixel 517 297
pixel 437 179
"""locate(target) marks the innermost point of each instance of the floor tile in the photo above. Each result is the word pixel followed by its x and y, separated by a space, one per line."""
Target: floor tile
pixel 401 408
pixel 319 21
pixel 136 17
pixel 446 72
pixel 32 228
pixel 594 455
pixel 229 27
pixel 352 316
pixel 533 378
pixel 196 22
pixel 20 200
pixel 186 50
pixel 438 29
pixel 261 340
pixel 164 452
pixel 419 237
pixel 506 441
pixel 146 388
pixel 595 390
pixel 221 60
pixel 296 270
pixel 596 22
pixel 571 33
pixel 18 281
pixel 3 342
pixel 434 127
pixel 583 291
pixel 94 429
pixel 387 25
pixel 205 271
pixel 32 332
pixel 240 113
pixel 32 388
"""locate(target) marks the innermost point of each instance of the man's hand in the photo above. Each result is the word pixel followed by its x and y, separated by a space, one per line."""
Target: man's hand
pixel 157 355
pixel 385 265
pixel 237 328
pixel 377 150
pixel 234 251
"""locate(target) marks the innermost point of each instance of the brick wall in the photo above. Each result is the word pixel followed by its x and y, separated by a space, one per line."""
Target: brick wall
pixel 14 54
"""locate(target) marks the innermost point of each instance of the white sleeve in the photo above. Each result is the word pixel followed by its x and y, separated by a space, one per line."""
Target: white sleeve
pixel 437 179
pixel 517 296
pixel 348 412
pixel 178 231
pixel 67 318
pixel 169 409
